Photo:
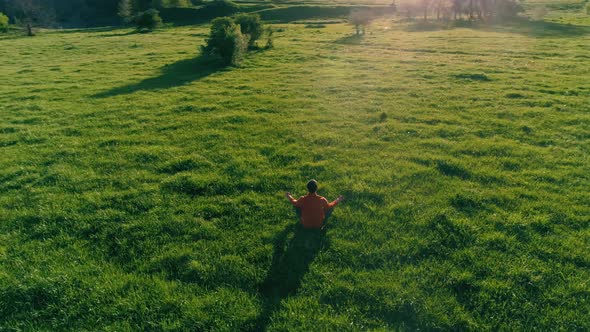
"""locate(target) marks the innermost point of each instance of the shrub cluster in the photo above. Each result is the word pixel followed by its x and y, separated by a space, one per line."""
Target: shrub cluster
pixel 230 38
pixel 3 23
pixel 226 40
pixel 250 25
pixel 147 20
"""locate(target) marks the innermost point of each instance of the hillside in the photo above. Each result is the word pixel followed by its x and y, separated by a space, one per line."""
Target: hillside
pixel 142 185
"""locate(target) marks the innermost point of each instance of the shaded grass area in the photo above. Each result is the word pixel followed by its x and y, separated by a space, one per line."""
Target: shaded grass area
pixel 531 28
pixel 282 13
pixel 142 189
pixel 174 74
pixel 351 40
pixel 290 263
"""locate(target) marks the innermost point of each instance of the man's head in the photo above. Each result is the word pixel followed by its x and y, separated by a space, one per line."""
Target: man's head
pixel 312 186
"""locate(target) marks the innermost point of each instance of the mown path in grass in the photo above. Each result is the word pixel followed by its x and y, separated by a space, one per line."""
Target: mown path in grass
pixel 141 188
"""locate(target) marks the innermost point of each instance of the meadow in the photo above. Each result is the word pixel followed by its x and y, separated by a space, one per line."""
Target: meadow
pixel 141 185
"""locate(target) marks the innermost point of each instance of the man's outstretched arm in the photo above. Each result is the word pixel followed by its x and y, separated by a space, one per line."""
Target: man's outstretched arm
pixel 295 202
pixel 334 203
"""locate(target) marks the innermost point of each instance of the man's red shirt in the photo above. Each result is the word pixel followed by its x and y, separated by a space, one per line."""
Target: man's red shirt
pixel 313 209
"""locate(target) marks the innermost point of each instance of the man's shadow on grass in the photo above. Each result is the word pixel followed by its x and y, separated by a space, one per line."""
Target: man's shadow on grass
pixel 175 74
pixel 290 262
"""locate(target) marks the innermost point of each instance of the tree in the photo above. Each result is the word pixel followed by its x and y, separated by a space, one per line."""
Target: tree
pixel 507 9
pixel 269 39
pixel 409 8
pixel 360 18
pixel 144 5
pixel 457 8
pixel 443 9
pixel 393 6
pixel 179 3
pixel 125 10
pixel 226 40
pixel 3 22
pixel 425 4
pixel 31 13
pixel 485 11
pixel 148 20
pixel 251 25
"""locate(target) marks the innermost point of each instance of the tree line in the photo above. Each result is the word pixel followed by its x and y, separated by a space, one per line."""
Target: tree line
pixel 84 13
pixel 60 12
pixel 482 10
pixel 441 10
pixel 79 13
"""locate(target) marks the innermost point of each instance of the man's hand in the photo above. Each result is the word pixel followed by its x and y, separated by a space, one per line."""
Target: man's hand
pixel 340 198
pixel 288 195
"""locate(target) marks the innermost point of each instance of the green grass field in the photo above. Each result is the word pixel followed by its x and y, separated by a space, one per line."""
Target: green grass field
pixel 142 186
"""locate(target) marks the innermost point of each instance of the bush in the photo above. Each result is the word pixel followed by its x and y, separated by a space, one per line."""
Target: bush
pixel 3 22
pixel 588 8
pixel 226 40
pixel 147 20
pixel 250 25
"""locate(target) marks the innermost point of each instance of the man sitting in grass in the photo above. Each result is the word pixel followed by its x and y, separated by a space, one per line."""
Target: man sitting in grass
pixel 313 209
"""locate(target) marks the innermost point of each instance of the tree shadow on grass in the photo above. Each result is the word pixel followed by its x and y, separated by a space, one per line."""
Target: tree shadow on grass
pixel 120 34
pixel 90 30
pixel 350 40
pixel 290 262
pixel 520 26
pixel 545 29
pixel 175 74
pixel 430 26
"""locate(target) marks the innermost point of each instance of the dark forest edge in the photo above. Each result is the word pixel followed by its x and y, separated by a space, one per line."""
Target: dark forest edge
pixel 93 13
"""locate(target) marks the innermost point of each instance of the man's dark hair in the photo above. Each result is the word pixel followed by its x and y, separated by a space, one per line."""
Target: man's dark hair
pixel 312 186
